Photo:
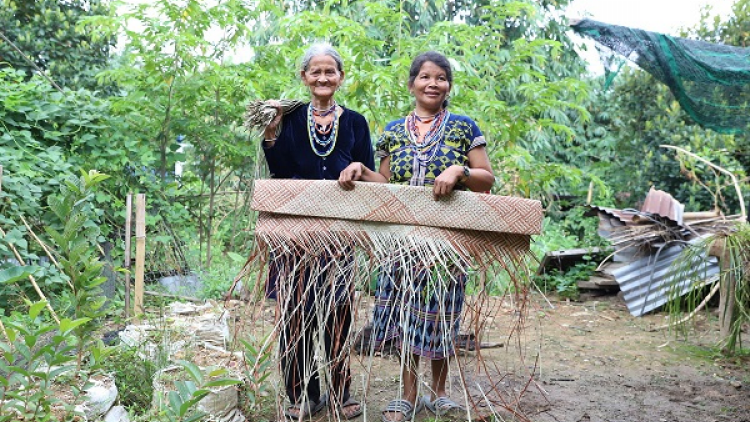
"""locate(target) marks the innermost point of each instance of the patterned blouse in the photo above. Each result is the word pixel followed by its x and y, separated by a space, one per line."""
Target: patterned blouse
pixel 419 166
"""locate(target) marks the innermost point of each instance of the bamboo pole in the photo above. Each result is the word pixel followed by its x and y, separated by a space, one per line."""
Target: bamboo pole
pixel 31 277
pixel 2 326
pixel 140 251
pixel 708 163
pixel 727 293
pixel 126 264
pixel 46 249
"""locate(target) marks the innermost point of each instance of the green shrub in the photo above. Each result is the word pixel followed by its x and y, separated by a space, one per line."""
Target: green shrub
pixel 133 376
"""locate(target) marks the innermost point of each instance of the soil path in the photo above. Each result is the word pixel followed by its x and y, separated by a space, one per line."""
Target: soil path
pixel 597 363
pixel 602 364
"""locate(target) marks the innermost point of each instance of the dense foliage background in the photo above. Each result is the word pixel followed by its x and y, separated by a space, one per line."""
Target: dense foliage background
pixel 132 89
pixel 100 98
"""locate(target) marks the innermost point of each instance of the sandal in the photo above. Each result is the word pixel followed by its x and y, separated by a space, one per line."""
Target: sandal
pixel 404 407
pixel 350 402
pixel 441 406
pixel 306 409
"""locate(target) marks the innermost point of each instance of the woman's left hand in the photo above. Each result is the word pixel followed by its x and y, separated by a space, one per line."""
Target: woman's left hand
pixel 447 180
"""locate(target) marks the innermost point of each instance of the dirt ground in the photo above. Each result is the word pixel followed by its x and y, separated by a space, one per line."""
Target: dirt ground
pixel 599 363
pixel 591 361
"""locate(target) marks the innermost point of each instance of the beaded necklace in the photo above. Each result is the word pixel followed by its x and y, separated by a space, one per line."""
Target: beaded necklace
pixel 433 133
pixel 425 119
pixel 316 143
pixel 426 150
pixel 323 113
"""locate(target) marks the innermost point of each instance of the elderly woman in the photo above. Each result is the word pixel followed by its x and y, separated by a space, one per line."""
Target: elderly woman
pixel 316 141
pixel 428 147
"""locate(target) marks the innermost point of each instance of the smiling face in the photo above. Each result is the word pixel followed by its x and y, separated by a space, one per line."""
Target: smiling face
pixel 430 88
pixel 322 76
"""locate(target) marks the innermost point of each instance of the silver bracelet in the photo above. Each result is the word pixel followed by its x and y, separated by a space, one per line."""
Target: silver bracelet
pixel 268 143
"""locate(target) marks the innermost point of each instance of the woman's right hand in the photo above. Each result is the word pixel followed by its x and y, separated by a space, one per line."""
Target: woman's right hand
pixel 270 133
pixel 351 174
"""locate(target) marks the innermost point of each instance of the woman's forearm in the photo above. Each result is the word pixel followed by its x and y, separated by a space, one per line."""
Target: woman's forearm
pixel 372 176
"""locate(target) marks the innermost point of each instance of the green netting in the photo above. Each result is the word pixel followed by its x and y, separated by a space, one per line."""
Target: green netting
pixel 710 81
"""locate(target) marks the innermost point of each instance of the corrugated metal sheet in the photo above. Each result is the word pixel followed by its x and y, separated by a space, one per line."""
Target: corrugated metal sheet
pixel 645 283
pixel 624 216
pixel 661 203
pixel 610 219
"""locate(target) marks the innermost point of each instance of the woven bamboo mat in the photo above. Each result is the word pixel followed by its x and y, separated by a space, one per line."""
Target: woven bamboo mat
pixel 398 204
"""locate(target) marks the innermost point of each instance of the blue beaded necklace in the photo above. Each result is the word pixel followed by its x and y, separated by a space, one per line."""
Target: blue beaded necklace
pixel 316 143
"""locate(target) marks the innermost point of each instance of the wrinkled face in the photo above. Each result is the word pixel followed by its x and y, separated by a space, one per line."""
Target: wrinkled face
pixel 431 87
pixel 322 76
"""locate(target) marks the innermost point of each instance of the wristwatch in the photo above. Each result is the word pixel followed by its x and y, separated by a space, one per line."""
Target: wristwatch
pixel 465 177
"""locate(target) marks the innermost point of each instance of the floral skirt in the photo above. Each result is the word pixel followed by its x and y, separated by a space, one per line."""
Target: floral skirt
pixel 420 310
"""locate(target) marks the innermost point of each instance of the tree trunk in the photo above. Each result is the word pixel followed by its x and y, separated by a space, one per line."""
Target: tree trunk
pixel 211 204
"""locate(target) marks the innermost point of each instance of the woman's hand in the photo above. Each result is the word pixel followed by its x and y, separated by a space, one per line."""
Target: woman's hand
pixel 270 133
pixel 350 174
pixel 447 180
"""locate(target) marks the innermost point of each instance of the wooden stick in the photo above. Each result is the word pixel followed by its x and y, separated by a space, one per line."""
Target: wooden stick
pixel 700 215
pixel 140 251
pixel 33 280
pixel 728 285
pixel 1 322
pixel 2 327
pixel 42 244
pixel 708 163
pixel 695 311
pixel 31 62
pixel 128 230
pixel 44 247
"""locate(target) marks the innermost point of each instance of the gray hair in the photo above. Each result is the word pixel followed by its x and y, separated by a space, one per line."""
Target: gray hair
pixel 322 49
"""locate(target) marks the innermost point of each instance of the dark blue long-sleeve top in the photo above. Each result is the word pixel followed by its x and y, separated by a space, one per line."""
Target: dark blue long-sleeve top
pixel 292 157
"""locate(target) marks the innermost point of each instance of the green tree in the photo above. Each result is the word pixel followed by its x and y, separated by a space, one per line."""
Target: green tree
pixel 177 80
pixel 46 33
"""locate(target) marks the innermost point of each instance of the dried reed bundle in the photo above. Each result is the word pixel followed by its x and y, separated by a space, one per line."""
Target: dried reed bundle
pixel 258 114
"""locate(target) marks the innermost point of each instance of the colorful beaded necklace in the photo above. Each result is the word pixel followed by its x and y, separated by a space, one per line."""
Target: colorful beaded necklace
pixel 322 147
pixel 433 134
pixel 430 144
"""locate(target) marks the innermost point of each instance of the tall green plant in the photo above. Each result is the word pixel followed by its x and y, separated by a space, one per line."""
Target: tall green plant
pixel 35 357
pixel 74 241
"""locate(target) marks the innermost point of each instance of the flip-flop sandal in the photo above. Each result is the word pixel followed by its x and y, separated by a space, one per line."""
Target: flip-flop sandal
pixel 441 406
pixel 350 402
pixel 404 407
pixel 309 409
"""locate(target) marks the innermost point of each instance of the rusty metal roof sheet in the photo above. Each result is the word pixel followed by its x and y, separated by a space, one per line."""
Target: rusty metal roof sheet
pixel 663 204
pixel 646 283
